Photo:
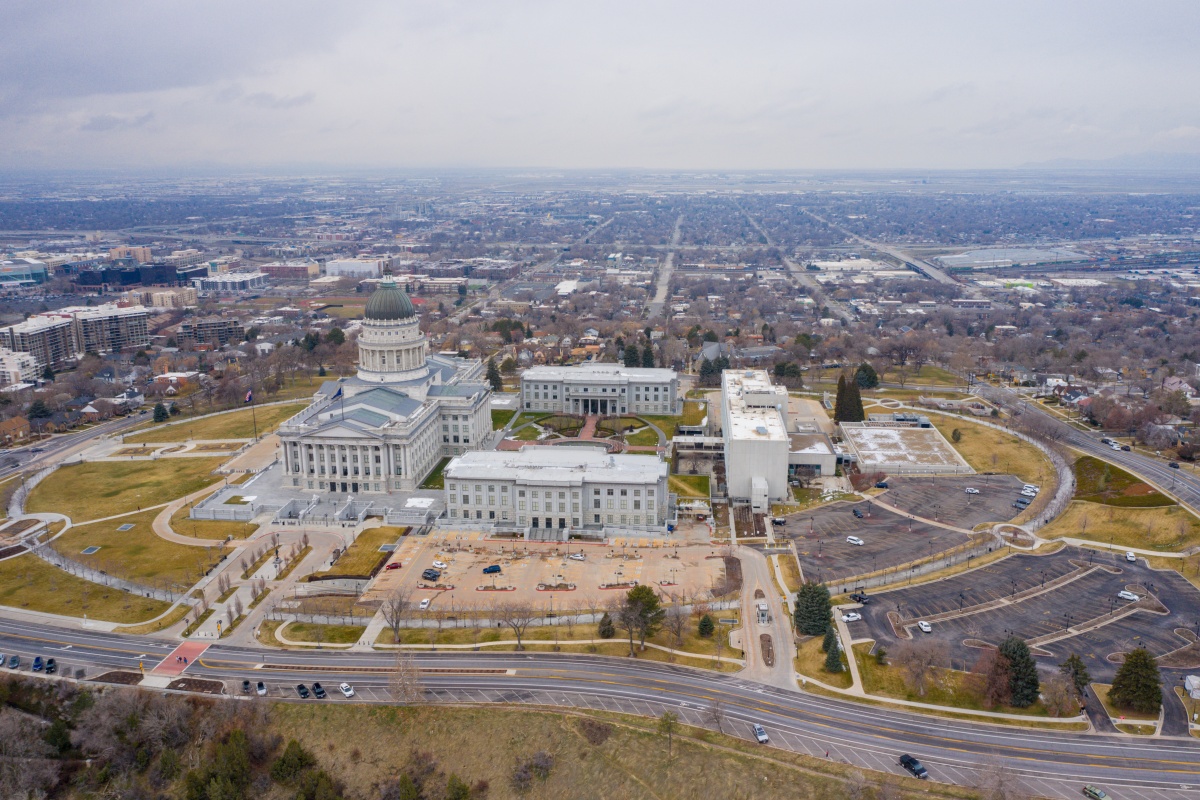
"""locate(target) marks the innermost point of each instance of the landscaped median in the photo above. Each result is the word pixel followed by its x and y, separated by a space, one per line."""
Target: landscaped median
pixel 363 558
pixel 1126 721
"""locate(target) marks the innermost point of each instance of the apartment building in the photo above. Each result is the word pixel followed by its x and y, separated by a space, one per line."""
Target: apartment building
pixel 217 331
pixel 59 337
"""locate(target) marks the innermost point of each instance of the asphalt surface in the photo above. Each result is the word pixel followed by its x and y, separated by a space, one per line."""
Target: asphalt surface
pixel 54 448
pixel 1049 763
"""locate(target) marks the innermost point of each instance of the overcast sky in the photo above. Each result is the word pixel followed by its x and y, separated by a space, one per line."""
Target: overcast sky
pixel 674 85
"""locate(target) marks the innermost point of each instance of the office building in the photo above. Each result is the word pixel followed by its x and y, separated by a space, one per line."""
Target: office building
pixel 357 267
pixel 754 424
pixel 601 389
pixel 231 282
pixel 139 254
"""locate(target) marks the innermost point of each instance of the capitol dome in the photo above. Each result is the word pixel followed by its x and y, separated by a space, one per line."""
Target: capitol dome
pixel 389 302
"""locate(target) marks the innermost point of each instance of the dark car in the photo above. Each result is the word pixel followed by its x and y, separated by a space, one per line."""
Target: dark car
pixel 245 687
pixel 881 485
pixel 861 598
pixel 302 690
pixel 51 666
pixel 494 569
pixel 913 767
pixel 318 691
pixel 14 662
pixel 431 575
pixel 858 513
pixel 1173 465
pixel 1126 448
pixel 38 665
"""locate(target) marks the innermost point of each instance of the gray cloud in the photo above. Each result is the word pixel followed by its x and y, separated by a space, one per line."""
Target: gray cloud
pixel 116 122
pixel 269 100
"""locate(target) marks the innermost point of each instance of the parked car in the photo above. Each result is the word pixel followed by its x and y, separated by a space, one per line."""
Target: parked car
pixel 439 565
pixel 1029 487
pixel 881 485
pixel 859 597
pixel 14 662
pixel 1130 557
pixel 577 557
pixel 261 689
pixel 858 513
pixel 38 664
pixel 51 666
pixel 760 734
pixel 431 575
pixel 855 540
pixel 972 490
pixel 851 616
pixel 924 626
pixel 394 565
pixel 493 569
pixel 1027 493
pixel 914 767
pixel 779 520
pixel 424 606
pixel 302 690
pixel 246 687
pixel 347 690
pixel 318 691
pixel 1125 594
pixel 1094 792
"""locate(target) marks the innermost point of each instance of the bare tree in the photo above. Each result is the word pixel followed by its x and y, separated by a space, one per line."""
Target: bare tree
pixel 569 616
pixel 395 609
pixel 998 782
pixel 918 659
pixel 26 769
pixel 676 619
pixel 1059 695
pixel 715 713
pixel 857 785
pixel 405 680
pixel 516 616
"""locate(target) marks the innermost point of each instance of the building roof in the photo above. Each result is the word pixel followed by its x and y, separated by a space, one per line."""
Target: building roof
pixel 566 466
pixel 754 407
pixel 598 372
pixel 389 302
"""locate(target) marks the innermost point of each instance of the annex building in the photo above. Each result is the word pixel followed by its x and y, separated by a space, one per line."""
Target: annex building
pixel 387 428
pixel 606 389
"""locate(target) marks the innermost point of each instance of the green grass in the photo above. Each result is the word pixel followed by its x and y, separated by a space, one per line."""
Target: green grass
pixel 100 489
pixel 137 554
pixel 810 661
pixel 927 375
pixel 615 425
pixel 500 418
pixel 646 437
pixel 527 434
pixel 435 479
pixel 689 485
pixel 667 424
pixel 567 426
pixel 29 583
pixel 228 425
pixel 364 555
pixel 1104 483
pixel 693 413
pixel 328 634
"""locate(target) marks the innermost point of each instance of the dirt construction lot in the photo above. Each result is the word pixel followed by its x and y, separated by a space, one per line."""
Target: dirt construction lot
pixel 946 499
pixel 526 565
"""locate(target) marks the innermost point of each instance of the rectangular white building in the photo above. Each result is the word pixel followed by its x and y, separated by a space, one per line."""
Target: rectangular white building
pixel 357 267
pixel 600 389
pixel 754 424
pixel 557 489
pixel 16 367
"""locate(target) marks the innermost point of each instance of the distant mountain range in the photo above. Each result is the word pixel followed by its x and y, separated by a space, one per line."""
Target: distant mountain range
pixel 1138 162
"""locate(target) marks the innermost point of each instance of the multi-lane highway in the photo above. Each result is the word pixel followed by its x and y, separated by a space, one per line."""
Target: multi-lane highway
pixel 1047 763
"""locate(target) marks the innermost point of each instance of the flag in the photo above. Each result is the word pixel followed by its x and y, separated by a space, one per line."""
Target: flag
pixel 249 395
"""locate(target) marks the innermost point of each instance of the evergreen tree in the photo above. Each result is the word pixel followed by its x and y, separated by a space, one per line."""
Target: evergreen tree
pixel 606 629
pixel 160 413
pixel 47 373
pixel 854 405
pixel 829 641
pixel 1023 681
pixel 1076 672
pixel 493 375
pixel 1138 684
pixel 336 337
pixel 833 659
pixel 650 612
pixel 866 377
pixel 648 356
pixel 812 609
pixel 321 373
pixel 706 626
pixel 632 356
pixel 839 402
pixel 39 410
pixel 707 372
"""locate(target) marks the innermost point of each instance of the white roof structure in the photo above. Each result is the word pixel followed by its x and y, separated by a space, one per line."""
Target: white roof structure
pixel 559 466
pixel 598 373
pixel 756 408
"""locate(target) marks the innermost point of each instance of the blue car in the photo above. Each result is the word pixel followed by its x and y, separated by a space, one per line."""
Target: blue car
pixel 494 569
pixel 37 664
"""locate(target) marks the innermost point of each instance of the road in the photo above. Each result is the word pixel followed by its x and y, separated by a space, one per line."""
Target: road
pixel 59 447
pixel 664 275
pixel 1048 763
pixel 935 273
pixel 1182 484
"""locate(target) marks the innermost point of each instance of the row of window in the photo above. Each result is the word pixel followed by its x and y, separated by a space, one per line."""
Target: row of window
pixel 549 493
pixel 555 522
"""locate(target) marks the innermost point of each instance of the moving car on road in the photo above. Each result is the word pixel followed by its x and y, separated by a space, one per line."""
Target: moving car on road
pixel 760 734
pixel 855 540
pixel 914 767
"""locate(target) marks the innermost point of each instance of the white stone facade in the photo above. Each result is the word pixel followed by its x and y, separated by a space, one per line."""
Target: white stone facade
pixel 607 389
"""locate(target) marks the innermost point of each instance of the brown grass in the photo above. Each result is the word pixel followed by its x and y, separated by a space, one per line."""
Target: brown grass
pixel 1169 529
pixel 100 489
pixel 810 661
pixel 29 583
pixel 989 450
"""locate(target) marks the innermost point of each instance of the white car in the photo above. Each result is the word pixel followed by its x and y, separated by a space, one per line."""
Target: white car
pixel 1027 493
pixel 851 616
pixel 760 734
pixel 440 565
pixel 577 556
pixel 972 490
pixel 855 540
pixel 424 606
pixel 1130 557
pixel 1125 594
pixel 347 690
pixel 925 626
pixel 1029 487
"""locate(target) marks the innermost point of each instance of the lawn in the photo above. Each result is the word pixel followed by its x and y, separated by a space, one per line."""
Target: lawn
pixel 28 582
pixel 229 425
pixel 500 417
pixel 1102 689
pixel 989 450
pixel 614 425
pixel 667 424
pixel 361 558
pixel 326 634
pixel 100 489
pixel 693 413
pixel 946 687
pixel 1168 529
pixel 435 480
pixel 689 485
pixel 529 433
pixel 646 437
pixel 927 375
pixel 137 554
pixel 1101 482
pixel 810 661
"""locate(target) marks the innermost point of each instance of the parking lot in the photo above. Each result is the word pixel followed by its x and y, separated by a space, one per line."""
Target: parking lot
pixel 526 565
pixel 1024 601
pixel 945 499
pixel 889 539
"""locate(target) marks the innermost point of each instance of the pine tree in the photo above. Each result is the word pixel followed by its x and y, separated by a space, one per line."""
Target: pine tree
pixel 493 375
pixel 853 403
pixel 648 356
pixel 812 609
pixel 706 626
pixel 707 371
pixel 160 413
pixel 1138 684
pixel 632 356
pixel 47 373
pixel 1076 672
pixel 829 641
pixel 833 659
pixel 866 377
pixel 839 402
pixel 1023 680
pixel 606 629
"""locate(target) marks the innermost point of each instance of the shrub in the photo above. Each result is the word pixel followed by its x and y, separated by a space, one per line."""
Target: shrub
pixel 706 626
pixel 295 760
